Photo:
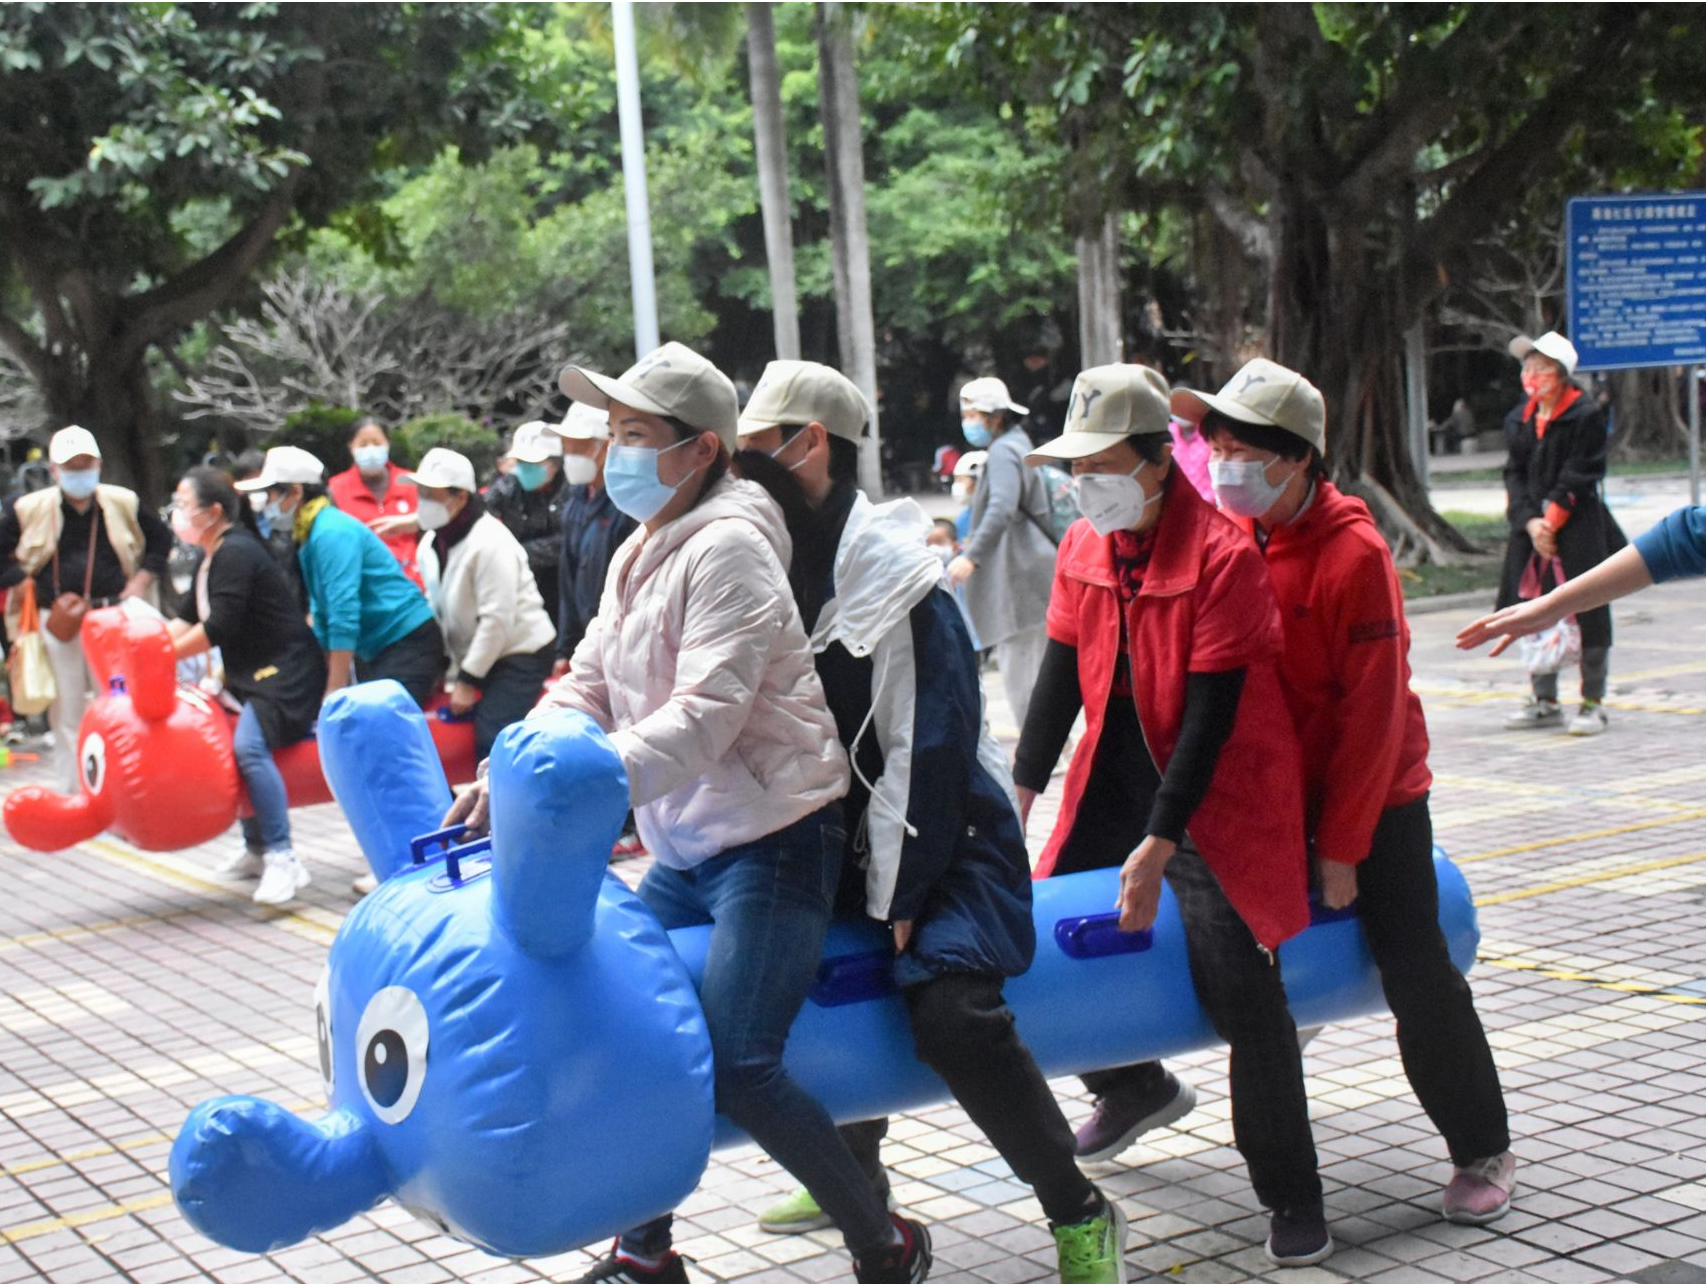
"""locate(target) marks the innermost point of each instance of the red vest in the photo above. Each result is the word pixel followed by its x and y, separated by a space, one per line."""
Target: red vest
pixel 349 492
pixel 1205 607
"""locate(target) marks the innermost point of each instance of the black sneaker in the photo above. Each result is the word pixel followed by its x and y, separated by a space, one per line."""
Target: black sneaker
pixel 1300 1238
pixel 907 1262
pixel 1120 1118
pixel 619 1270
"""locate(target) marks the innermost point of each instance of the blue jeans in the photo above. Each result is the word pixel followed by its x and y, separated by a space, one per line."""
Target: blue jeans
pixel 268 830
pixel 768 903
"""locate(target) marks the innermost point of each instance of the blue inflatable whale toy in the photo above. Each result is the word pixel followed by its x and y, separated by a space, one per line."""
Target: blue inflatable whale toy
pixel 514 1051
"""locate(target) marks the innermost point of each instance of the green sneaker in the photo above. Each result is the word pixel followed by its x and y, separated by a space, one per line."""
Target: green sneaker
pixel 1093 1251
pixel 795 1215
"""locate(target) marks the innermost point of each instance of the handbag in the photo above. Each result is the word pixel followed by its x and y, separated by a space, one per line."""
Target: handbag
pixel 1558 646
pixel 65 617
pixel 27 668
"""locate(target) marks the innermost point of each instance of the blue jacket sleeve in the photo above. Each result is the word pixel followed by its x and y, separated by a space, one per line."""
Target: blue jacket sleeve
pixel 1675 549
pixel 331 564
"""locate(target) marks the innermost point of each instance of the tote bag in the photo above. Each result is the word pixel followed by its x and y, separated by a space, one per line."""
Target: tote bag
pixel 31 676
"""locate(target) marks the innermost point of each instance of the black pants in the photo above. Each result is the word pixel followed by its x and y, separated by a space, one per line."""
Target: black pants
pixel 416 660
pixel 965 1032
pixel 510 688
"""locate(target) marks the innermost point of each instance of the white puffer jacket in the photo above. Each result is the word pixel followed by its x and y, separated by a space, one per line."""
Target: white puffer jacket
pixel 698 668
pixel 485 597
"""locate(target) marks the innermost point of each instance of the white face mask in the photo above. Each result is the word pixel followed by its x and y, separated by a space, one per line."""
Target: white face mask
pixel 1242 488
pixel 432 514
pixel 1113 501
pixel 579 470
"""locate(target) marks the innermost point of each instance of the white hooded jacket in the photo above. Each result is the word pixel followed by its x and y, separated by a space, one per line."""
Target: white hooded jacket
pixel 698 668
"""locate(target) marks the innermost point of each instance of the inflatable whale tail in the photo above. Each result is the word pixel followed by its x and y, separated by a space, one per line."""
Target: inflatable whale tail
pixel 252 1176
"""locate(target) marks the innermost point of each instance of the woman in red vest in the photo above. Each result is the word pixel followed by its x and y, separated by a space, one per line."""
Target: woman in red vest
pixel 378 494
pixel 1163 624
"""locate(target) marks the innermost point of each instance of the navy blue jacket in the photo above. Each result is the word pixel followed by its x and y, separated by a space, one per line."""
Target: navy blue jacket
pixel 593 529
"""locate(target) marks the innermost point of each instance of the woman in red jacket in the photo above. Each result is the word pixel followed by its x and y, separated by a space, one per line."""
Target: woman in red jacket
pixel 379 495
pixel 1346 675
pixel 1162 622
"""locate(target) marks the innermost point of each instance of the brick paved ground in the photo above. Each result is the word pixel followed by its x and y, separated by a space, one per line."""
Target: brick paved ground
pixel 133 986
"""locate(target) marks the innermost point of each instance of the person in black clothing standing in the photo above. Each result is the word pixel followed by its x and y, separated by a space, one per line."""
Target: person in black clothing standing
pixel 1556 436
pixel 529 499
pixel 242 604
pixel 593 527
pixel 84 537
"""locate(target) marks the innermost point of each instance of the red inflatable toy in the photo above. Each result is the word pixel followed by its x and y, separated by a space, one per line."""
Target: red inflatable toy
pixel 155 758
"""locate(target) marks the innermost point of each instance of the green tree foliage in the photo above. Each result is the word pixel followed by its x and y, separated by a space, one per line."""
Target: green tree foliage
pixel 151 155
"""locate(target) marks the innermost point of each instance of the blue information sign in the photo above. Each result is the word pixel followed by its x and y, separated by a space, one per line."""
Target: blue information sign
pixel 1637 279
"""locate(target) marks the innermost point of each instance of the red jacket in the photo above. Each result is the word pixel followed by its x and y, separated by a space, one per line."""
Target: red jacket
pixel 1205 607
pixel 1346 672
pixel 349 492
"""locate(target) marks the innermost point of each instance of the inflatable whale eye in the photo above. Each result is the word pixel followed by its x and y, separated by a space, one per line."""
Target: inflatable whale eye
pixel 501 1027
pixel 93 762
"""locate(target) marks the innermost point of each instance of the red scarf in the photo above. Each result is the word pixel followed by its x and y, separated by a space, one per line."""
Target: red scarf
pixel 1542 422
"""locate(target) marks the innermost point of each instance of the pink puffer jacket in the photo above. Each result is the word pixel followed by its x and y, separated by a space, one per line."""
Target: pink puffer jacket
pixel 697 666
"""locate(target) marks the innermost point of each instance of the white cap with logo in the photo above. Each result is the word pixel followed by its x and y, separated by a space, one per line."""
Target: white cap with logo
pixel 68 443
pixel 534 442
pixel 584 423
pixel 445 469
pixel 803 392
pixel 1263 392
pixel 287 466
pixel 1109 404
pixel 1551 344
pixel 989 394
pixel 971 463
pixel 674 381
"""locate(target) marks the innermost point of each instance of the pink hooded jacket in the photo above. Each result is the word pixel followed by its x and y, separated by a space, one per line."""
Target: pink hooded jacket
pixel 698 668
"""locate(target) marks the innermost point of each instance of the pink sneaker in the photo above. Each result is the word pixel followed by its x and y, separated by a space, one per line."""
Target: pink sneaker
pixel 1481 1192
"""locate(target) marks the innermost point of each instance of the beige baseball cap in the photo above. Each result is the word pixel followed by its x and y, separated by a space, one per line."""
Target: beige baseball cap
pixel 1263 392
pixel 1551 344
pixel 70 442
pixel 674 381
pixel 801 392
pixel 286 466
pixel 583 423
pixel 989 394
pixel 1109 404
pixel 534 443
pixel 445 469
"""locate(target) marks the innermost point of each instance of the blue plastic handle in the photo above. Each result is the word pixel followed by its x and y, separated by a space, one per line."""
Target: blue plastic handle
pixel 444 713
pixel 1319 913
pixel 854 978
pixel 453 853
pixel 1098 936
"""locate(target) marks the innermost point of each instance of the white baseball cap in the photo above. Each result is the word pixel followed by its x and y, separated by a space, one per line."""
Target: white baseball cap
pixel 674 381
pixel 583 423
pixel 801 392
pixel 533 443
pixel 68 443
pixel 989 394
pixel 1551 344
pixel 1109 404
pixel 1265 393
pixel 286 466
pixel 971 463
pixel 445 469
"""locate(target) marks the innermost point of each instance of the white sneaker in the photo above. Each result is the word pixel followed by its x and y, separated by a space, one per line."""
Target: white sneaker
pixel 285 876
pixel 245 862
pixel 1589 720
pixel 1535 714
pixel 362 884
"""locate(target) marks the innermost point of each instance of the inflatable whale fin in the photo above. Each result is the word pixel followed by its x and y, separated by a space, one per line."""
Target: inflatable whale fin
pixel 136 648
pixel 559 797
pixel 384 770
pixel 249 1174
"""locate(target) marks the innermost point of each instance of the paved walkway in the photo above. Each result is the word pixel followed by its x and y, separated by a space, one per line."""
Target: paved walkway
pixel 134 985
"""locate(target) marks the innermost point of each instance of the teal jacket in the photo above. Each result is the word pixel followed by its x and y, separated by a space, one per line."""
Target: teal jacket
pixel 359 597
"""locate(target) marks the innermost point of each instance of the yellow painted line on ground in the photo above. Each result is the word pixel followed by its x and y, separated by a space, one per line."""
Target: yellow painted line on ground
pixel 1462 696
pixel 1583 880
pixel 1637 988
pixel 1585 836
pixel 74 931
pixel 1606 794
pixel 1667 671
pixel 30 1230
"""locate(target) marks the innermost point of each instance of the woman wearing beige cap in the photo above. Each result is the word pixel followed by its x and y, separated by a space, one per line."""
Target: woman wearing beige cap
pixel 698 669
pixel 1164 627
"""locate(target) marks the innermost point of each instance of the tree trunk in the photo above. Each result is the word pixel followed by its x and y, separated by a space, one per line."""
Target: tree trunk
pixel 1647 422
pixel 838 104
pixel 1100 323
pixel 771 150
pixel 115 401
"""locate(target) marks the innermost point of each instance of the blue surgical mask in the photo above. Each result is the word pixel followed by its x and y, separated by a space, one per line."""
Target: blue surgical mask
pixel 273 517
pixel 631 478
pixel 371 459
pixel 79 483
pixel 976 434
pixel 529 476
